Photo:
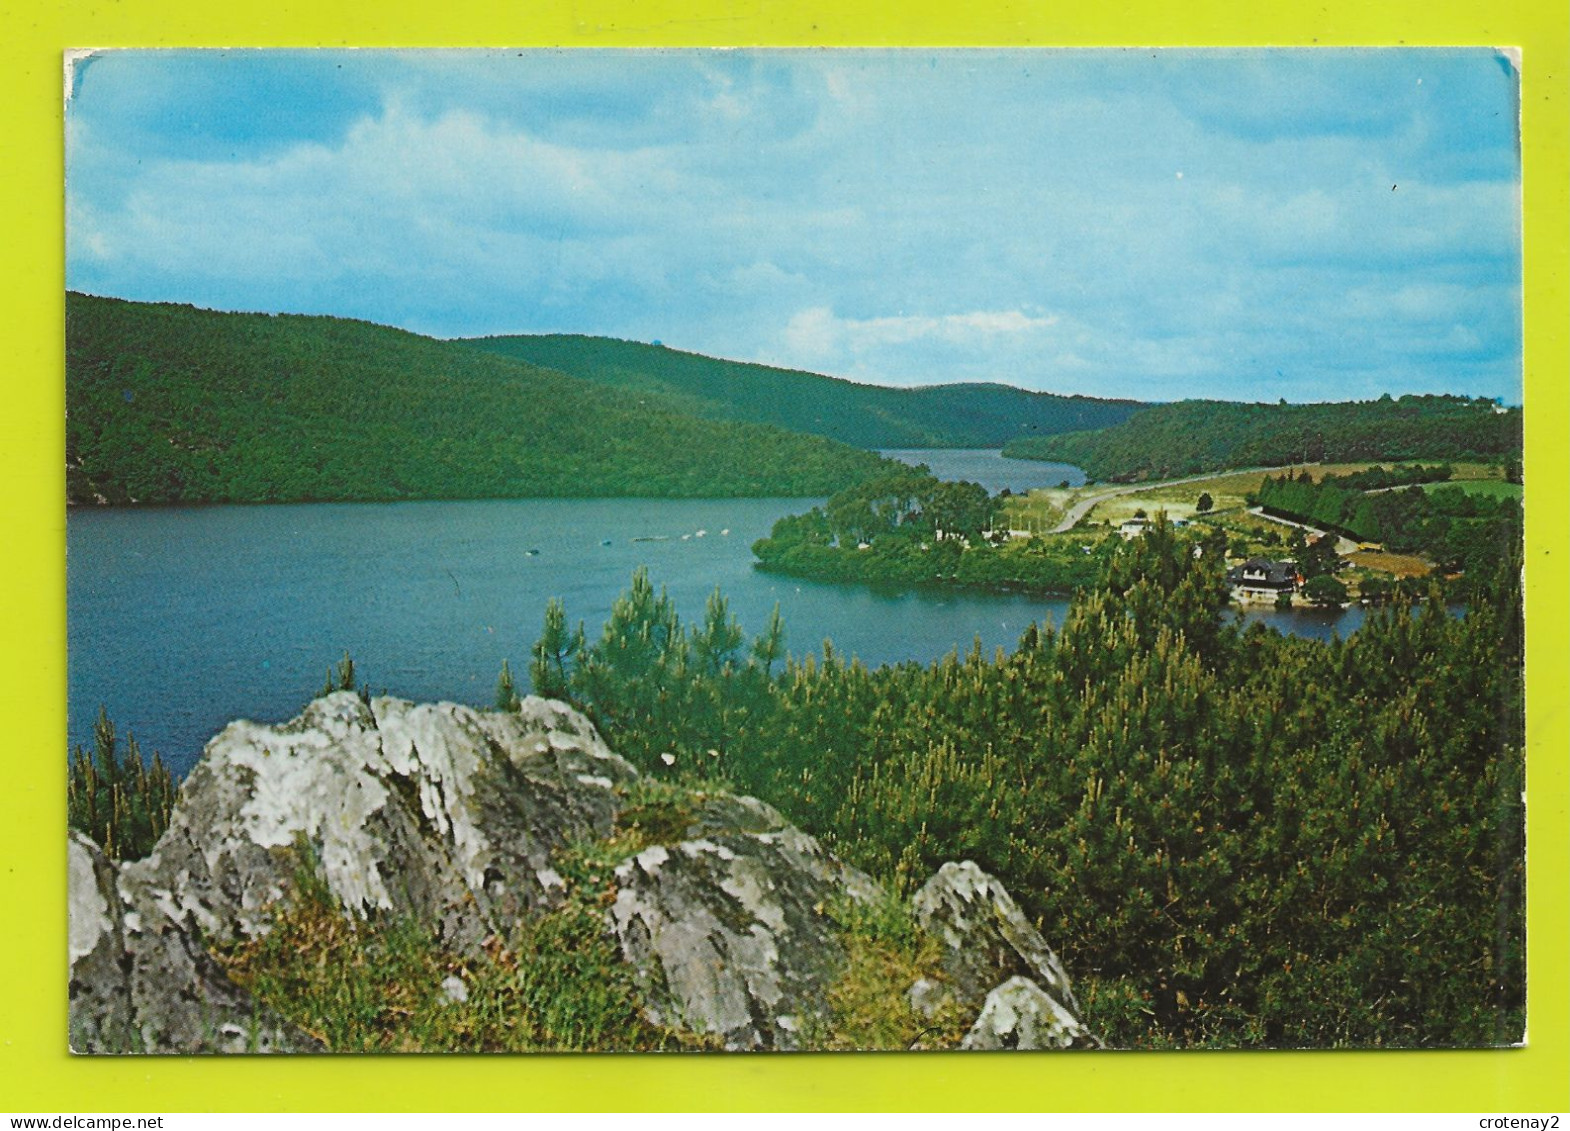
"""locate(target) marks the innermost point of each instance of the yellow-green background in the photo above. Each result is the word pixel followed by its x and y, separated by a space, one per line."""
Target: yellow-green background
pixel 36 1072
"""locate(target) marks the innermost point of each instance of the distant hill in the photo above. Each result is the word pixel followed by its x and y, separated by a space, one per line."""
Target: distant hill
pixel 868 416
pixel 1190 437
pixel 168 404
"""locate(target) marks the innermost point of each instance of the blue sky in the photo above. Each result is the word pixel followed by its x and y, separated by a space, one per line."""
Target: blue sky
pixel 1314 225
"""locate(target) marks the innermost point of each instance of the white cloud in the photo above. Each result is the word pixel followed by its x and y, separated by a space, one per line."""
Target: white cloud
pixel 400 195
pixel 817 331
pixel 913 217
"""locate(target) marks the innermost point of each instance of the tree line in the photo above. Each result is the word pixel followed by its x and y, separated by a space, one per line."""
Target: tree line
pixel 867 416
pixel 1192 437
pixel 1459 531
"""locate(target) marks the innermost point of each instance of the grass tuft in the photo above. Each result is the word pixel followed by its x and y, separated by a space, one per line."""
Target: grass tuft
pixel 377 985
pixel 869 1007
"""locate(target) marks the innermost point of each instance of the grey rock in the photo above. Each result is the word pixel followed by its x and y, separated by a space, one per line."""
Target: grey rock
pixel 729 933
pixel 927 997
pixel 434 811
pixel 100 1012
pixel 141 983
pixel 1019 1014
pixel 986 938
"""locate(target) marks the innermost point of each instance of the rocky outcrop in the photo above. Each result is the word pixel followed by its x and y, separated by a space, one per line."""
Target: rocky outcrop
pixel 435 812
pixel 1021 1015
pixel 141 982
pixel 729 932
pixel 455 818
pixel 986 938
pixel 432 811
pixel 995 958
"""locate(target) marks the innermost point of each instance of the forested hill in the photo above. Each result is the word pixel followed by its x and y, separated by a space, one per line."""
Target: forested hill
pixel 1189 437
pixel 168 403
pixel 868 416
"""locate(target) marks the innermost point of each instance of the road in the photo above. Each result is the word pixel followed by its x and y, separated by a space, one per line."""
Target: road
pixel 1344 545
pixel 1080 509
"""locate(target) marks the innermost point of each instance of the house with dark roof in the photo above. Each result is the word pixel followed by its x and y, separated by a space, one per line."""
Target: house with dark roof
pixel 1261 577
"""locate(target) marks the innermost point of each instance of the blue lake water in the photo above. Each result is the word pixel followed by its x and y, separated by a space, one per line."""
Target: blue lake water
pixel 183 618
pixel 987 467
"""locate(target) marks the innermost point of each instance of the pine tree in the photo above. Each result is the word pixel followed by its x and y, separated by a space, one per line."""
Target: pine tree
pixel 1241 831
pixel 341 678
pixel 716 643
pixel 119 801
pixel 553 652
pixel 769 645
pixel 506 693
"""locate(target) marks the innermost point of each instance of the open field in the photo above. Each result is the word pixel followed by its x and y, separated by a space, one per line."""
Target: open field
pixel 1398 565
pixel 1474 471
pixel 1042 509
pixel 1493 488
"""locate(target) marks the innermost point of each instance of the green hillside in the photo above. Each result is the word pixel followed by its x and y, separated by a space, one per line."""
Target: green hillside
pixel 1190 437
pixel 168 403
pixel 868 416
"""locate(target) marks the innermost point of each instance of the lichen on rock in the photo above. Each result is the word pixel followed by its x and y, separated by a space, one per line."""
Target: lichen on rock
pixel 143 983
pixel 433 811
pixel 1019 1014
pixel 995 958
pixel 987 938
pixel 730 933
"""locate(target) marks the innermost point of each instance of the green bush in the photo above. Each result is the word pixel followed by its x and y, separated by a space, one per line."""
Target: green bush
pixel 122 804
pixel 1325 591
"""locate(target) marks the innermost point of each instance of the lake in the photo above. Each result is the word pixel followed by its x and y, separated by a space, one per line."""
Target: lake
pixel 987 467
pixel 183 618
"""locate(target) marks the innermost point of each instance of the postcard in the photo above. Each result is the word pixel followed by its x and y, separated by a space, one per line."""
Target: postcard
pixel 794 550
